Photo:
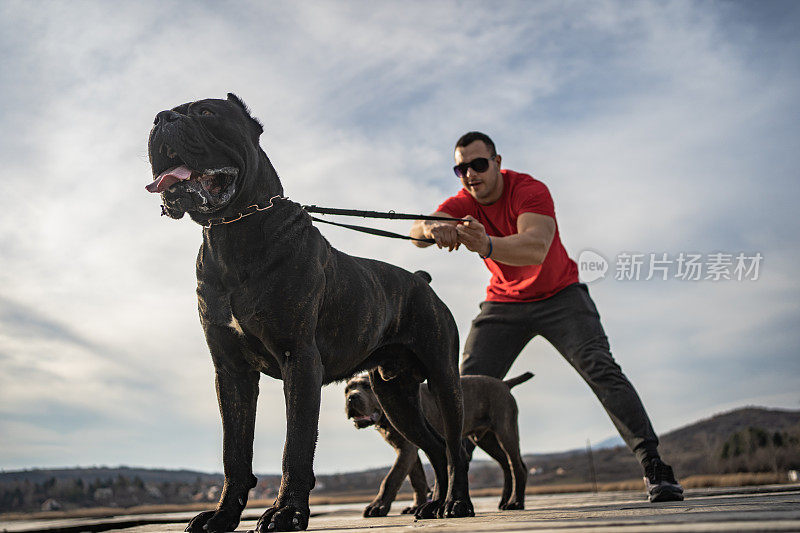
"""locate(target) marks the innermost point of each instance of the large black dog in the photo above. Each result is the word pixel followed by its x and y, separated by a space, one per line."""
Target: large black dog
pixel 275 297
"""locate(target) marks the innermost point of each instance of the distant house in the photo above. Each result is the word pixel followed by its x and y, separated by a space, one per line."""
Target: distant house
pixel 153 491
pixel 51 505
pixel 213 493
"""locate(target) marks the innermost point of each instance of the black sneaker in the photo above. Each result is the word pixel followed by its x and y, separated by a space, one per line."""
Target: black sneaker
pixel 660 483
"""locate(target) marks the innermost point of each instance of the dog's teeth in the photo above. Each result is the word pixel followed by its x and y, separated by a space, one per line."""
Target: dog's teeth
pixel 229 171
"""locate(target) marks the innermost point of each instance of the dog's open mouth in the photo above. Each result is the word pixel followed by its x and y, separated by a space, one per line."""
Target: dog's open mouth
pixel 213 180
pixel 363 421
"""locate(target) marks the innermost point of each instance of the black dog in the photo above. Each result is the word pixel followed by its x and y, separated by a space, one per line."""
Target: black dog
pixel 490 420
pixel 275 297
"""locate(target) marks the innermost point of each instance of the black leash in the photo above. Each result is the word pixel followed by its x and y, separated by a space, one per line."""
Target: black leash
pixel 374 214
pixel 333 211
pixel 372 231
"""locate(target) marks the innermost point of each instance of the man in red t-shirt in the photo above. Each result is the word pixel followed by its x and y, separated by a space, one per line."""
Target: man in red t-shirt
pixel 534 290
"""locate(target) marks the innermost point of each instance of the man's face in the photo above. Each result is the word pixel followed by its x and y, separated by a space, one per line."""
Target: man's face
pixel 486 187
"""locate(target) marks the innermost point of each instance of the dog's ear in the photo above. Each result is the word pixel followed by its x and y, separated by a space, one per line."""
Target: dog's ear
pixel 238 101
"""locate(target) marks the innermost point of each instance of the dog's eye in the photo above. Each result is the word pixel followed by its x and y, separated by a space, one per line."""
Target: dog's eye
pixel 206 113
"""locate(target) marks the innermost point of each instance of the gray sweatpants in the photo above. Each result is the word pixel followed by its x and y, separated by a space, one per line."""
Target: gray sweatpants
pixel 570 322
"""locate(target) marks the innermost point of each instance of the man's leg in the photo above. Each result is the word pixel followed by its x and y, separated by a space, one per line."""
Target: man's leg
pixel 498 334
pixel 570 322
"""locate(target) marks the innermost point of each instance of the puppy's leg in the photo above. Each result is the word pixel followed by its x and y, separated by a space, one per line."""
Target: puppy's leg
pixel 489 444
pixel 237 392
pixel 399 398
pixel 509 440
pixel 302 374
pixel 420 485
pixel 406 455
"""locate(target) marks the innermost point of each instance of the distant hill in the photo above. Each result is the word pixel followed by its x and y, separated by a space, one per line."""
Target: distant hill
pixel 692 449
pixel 610 442
pixel 747 439
pixel 147 475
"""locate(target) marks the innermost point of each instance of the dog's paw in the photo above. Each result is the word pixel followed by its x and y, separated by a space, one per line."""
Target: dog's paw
pixel 513 505
pixel 283 518
pixel 411 509
pixel 429 509
pixel 212 521
pixel 458 508
pixel 504 499
pixel 377 508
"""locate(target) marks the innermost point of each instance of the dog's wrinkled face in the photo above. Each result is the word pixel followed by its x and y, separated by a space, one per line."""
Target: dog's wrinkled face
pixel 199 154
pixel 360 402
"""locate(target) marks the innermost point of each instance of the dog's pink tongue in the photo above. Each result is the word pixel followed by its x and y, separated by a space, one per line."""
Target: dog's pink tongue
pixel 169 177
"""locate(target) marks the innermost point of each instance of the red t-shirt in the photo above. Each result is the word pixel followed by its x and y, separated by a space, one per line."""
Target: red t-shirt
pixel 521 194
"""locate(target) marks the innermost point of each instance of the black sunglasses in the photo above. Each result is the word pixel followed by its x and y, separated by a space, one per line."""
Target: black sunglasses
pixel 480 164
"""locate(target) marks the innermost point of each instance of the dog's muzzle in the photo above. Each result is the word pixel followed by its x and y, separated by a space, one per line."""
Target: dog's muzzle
pixel 356 410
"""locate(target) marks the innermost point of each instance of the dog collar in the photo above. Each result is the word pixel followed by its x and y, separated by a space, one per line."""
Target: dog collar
pixel 251 209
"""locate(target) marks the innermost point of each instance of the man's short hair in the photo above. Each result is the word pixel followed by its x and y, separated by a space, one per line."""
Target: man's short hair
pixel 471 137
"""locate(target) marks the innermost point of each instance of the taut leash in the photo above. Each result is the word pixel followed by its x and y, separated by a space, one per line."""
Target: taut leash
pixel 334 211
pixel 373 231
pixel 374 214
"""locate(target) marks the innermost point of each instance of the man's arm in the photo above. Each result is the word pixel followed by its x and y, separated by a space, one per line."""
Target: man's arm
pixel 444 232
pixel 529 246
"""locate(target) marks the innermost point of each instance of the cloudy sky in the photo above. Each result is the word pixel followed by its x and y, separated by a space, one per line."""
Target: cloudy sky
pixel 659 127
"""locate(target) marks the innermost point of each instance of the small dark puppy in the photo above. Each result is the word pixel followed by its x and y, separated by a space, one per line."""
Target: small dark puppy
pixel 490 420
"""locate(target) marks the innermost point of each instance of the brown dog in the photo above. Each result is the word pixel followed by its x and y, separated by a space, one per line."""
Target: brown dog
pixel 490 420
